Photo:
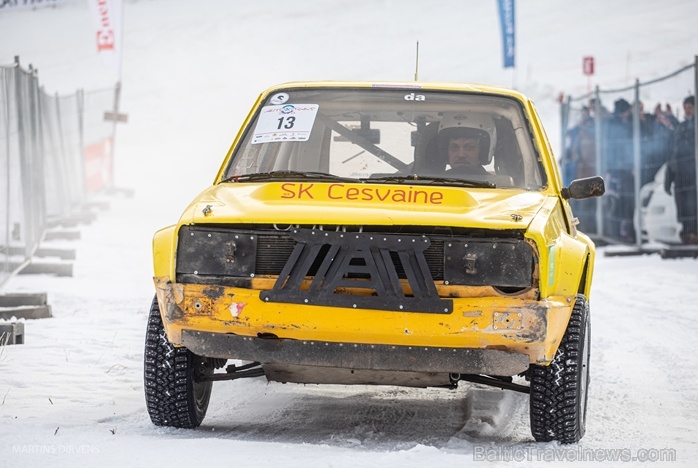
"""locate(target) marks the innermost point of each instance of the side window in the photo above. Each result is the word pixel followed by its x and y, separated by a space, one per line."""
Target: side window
pixel 507 154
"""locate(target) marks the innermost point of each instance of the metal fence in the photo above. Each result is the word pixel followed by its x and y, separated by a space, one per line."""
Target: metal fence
pixel 55 151
pixel 640 140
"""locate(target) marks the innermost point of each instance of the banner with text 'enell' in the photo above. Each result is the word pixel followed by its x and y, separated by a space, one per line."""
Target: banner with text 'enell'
pixel 107 18
pixel 507 20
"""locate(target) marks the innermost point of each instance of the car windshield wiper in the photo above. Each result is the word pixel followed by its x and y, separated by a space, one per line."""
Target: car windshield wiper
pixel 420 180
pixel 286 175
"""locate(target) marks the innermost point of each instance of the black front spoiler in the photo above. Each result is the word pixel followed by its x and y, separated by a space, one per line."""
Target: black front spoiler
pixel 355 355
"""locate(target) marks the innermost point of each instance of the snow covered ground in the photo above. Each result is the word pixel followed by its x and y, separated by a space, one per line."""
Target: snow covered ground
pixel 73 394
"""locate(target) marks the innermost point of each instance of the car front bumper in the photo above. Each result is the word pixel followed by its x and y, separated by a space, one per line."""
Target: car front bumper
pixel 495 335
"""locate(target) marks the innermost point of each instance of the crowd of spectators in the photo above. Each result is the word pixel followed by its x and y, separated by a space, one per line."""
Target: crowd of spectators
pixel 663 140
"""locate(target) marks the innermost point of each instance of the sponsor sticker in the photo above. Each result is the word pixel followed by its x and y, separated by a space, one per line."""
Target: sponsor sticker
pixel 285 122
pixel 279 98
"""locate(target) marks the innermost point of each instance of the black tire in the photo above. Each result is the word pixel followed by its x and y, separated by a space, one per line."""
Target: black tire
pixel 173 395
pixel 558 399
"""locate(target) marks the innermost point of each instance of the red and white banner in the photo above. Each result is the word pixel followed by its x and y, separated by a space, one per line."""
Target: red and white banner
pixel 107 17
pixel 98 165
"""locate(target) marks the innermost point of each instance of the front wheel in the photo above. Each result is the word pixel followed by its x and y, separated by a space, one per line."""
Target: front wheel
pixel 558 399
pixel 174 394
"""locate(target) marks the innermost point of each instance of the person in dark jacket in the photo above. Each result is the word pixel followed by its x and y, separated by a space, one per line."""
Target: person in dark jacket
pixel 681 173
pixel 656 130
pixel 581 164
pixel 618 163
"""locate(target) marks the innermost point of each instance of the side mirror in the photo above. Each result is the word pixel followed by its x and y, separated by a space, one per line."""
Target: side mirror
pixel 580 189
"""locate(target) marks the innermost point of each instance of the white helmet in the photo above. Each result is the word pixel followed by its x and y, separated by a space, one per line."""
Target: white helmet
pixel 471 125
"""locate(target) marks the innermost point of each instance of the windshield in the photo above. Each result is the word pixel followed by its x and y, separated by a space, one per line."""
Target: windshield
pixel 387 136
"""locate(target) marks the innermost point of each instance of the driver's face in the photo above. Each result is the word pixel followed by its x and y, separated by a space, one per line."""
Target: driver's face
pixel 464 152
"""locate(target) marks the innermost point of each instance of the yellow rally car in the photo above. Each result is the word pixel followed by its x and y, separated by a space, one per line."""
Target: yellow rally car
pixel 413 234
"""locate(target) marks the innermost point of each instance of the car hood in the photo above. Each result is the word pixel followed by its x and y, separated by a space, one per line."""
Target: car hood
pixel 353 204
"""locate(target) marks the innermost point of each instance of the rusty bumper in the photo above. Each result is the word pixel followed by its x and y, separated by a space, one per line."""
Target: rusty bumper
pixel 232 322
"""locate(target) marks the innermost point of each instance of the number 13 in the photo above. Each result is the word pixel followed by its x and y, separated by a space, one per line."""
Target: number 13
pixel 288 124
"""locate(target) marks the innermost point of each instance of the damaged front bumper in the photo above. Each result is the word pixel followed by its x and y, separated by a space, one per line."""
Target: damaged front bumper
pixel 494 335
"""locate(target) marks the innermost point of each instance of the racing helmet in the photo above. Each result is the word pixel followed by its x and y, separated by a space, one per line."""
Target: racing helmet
pixel 469 125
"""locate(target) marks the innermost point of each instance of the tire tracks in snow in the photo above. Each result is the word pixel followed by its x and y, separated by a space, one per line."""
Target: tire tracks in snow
pixel 373 418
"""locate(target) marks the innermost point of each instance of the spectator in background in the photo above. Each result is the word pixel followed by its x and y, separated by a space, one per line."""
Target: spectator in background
pixel 618 159
pixel 583 146
pixel 665 125
pixel 602 110
pixel 581 155
pixel 681 172
pixel 656 132
pixel 581 164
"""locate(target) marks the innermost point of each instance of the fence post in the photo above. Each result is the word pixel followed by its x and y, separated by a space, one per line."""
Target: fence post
pixel 60 162
pixel 80 99
pixel 117 99
pixel 564 154
pixel 637 165
pixel 6 77
pixel 563 137
pixel 22 150
pixel 37 192
pixel 695 131
pixel 598 124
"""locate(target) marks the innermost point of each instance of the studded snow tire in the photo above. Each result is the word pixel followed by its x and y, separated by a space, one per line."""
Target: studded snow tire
pixel 173 395
pixel 558 397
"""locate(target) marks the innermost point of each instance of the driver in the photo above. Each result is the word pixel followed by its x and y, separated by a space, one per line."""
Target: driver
pixel 465 141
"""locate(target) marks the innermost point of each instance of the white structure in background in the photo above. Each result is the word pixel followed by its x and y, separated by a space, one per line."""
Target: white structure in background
pixel 659 222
